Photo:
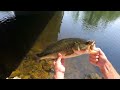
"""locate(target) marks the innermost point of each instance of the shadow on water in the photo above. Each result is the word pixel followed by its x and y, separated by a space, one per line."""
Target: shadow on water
pixel 18 36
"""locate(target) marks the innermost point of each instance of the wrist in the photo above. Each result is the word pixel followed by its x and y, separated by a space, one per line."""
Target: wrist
pixel 104 64
pixel 59 75
pixel 108 71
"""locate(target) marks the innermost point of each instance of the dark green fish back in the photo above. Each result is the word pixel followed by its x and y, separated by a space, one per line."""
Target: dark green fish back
pixel 62 45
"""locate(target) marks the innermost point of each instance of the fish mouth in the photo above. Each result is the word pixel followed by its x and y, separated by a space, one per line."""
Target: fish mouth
pixel 92 46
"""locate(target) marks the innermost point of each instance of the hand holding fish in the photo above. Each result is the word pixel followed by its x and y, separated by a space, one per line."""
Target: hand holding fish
pixel 59 67
pixel 99 59
pixel 72 47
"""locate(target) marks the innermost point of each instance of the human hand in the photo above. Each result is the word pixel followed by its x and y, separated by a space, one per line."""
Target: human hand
pixel 59 67
pixel 98 59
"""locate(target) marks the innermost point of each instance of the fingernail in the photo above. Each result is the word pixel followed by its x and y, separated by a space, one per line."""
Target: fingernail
pixel 96 49
pixel 97 56
pixel 59 54
pixel 96 60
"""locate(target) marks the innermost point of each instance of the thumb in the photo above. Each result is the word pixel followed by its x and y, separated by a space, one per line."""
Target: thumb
pixel 59 58
pixel 60 55
pixel 101 52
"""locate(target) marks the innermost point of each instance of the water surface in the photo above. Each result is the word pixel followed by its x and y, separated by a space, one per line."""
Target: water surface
pixel 101 26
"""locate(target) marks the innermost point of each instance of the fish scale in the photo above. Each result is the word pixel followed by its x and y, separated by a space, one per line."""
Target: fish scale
pixel 69 47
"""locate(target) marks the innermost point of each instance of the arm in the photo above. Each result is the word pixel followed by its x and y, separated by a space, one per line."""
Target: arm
pixel 59 68
pixel 109 72
pixel 99 59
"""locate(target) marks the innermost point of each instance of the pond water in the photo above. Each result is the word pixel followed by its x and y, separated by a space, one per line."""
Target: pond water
pixel 101 26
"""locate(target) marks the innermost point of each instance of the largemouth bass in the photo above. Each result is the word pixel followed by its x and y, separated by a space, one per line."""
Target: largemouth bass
pixel 69 47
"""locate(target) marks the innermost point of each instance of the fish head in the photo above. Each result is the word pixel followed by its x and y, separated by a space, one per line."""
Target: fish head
pixel 85 46
pixel 91 45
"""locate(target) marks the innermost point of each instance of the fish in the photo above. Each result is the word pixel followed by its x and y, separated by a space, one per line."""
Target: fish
pixel 68 47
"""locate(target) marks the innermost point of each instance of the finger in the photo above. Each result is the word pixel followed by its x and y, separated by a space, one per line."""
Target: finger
pixel 96 52
pixel 54 62
pixel 97 57
pixel 96 49
pixel 94 57
pixel 59 58
pixel 94 60
pixel 60 55
pixel 101 52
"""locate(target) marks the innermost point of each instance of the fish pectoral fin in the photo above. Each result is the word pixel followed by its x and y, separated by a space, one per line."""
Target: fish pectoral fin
pixel 77 52
pixel 69 53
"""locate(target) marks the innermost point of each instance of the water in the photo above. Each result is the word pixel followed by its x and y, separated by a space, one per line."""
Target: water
pixel 5 15
pixel 101 26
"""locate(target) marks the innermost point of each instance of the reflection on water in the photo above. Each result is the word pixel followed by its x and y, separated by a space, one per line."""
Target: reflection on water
pixel 101 26
pixel 93 17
